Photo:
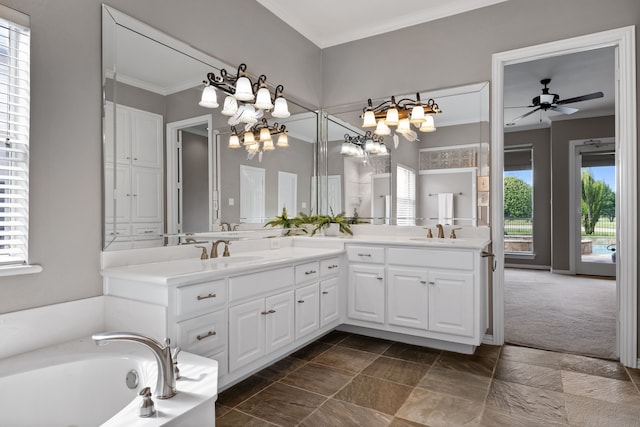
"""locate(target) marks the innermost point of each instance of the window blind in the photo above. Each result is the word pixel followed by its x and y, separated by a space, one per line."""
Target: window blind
pixel 14 142
pixel 406 196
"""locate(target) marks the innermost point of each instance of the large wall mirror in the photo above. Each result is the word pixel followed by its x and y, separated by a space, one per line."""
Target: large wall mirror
pixel 425 178
pixel 168 171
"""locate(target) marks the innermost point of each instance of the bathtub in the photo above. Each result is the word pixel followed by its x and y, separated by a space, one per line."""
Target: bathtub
pixel 78 384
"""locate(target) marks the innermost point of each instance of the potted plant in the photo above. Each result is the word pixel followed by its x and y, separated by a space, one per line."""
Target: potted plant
pixel 332 224
pixel 288 224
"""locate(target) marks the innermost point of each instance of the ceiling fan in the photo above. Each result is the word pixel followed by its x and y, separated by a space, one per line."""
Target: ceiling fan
pixel 551 101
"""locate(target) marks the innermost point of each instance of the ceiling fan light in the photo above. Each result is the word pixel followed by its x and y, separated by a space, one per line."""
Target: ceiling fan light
pixel 369 120
pixel 283 140
pixel 546 98
pixel 281 108
pixel 248 139
pixel 428 125
pixel 417 115
pixel 392 117
pixel 230 106
pixel 382 129
pixel 244 92
pixel 234 141
pixel 263 99
pixel 209 98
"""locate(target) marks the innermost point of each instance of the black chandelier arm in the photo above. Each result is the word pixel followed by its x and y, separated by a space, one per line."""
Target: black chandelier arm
pixel 278 92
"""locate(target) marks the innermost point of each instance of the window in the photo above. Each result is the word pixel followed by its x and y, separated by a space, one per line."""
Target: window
pixel 518 199
pixel 406 196
pixel 14 137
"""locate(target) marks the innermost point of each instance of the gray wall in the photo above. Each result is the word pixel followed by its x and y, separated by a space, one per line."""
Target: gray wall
pixel 195 183
pixel 561 133
pixel 540 140
pixel 66 195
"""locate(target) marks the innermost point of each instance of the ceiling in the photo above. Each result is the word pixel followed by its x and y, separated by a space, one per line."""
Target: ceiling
pixel 331 22
pixel 571 75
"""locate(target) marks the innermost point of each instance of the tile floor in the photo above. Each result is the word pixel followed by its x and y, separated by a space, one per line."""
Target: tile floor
pixel 352 380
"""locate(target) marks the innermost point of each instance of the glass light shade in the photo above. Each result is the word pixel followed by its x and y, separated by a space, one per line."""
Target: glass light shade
pixel 382 129
pixel 376 148
pixel 234 141
pixel 263 99
pixel 209 98
pixel 281 108
pixel 248 114
pixel 383 149
pixel 268 145
pixel 283 140
pixel 244 92
pixel 404 126
pixel 369 120
pixel 417 115
pixel 230 106
pixel 369 146
pixel 345 150
pixel 265 135
pixel 248 139
pixel 428 125
pixel 392 117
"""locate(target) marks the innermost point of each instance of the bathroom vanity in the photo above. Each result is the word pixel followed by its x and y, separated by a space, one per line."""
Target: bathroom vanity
pixel 256 306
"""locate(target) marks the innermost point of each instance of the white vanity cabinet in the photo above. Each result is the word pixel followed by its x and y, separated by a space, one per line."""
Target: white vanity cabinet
pixel 434 293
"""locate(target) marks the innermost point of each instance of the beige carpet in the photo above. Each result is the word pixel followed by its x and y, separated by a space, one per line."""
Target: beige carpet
pixel 572 314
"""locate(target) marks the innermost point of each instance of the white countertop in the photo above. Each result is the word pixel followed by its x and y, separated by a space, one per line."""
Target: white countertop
pixel 461 243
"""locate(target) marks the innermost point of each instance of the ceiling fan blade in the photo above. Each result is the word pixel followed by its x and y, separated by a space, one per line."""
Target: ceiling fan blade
pixel 521 106
pixel 512 122
pixel 564 110
pixel 593 95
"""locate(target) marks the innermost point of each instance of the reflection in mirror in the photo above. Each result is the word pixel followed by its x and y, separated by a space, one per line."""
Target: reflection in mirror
pixel 425 178
pixel 168 169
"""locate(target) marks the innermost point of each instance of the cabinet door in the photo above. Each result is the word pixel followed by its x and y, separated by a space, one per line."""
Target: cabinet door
pixel 329 311
pixel 307 309
pixel 279 321
pixel 365 299
pixel 146 194
pixel 407 297
pixel 146 139
pixel 120 197
pixel 451 307
pixel 246 333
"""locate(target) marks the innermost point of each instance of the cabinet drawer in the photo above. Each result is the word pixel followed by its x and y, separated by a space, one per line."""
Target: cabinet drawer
pixel 204 334
pixel 147 231
pixel 330 266
pixel 307 272
pixel 200 298
pixel 459 260
pixel 365 254
pixel 263 282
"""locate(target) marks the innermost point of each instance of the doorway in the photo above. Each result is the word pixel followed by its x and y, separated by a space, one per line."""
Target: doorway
pixel 626 140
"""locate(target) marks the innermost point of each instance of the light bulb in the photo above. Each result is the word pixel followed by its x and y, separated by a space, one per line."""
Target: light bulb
pixel 369 120
pixel 209 98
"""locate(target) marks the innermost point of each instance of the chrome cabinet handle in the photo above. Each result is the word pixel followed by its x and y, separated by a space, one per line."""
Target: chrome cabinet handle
pixel 331 267
pixel 271 311
pixel 369 255
pixel 148 231
pixel 424 282
pixel 267 312
pixel 310 272
pixel 300 301
pixel 207 335
pixel 432 283
pixel 379 278
pixel 200 297
pixel 325 292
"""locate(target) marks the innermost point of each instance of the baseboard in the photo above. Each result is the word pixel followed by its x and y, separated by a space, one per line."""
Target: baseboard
pixel 528 266
pixel 555 271
pixel 488 339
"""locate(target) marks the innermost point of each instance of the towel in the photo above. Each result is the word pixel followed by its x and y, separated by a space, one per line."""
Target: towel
pixel 445 208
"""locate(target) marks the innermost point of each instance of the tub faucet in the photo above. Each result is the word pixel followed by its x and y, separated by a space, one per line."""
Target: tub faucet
pixel 440 231
pixel 166 385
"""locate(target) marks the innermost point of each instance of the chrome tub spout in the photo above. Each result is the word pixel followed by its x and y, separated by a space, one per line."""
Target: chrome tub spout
pixel 166 385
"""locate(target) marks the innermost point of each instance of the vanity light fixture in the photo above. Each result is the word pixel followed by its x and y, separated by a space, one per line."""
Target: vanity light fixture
pixel 402 114
pixel 363 145
pixel 246 103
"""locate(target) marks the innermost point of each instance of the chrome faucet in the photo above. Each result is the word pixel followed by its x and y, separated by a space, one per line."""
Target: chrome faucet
pixel 214 248
pixel 166 385
pixel 440 231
